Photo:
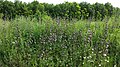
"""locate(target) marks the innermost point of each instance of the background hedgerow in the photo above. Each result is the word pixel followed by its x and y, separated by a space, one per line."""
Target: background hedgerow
pixel 67 10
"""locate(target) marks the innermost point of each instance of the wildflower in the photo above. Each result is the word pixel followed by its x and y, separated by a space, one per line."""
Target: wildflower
pixel 104 54
pixel 92 52
pixel 90 56
pixel 83 63
pixel 100 51
pixel 99 65
pixel 115 65
pixel 67 65
pixel 106 60
pixel 84 57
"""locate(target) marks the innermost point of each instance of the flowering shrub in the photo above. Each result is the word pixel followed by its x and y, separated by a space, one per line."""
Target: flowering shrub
pixel 27 43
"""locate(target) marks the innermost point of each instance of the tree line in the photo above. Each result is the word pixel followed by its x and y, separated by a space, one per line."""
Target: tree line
pixel 67 10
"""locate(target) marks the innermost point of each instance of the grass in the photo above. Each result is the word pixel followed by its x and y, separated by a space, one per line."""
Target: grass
pixel 28 43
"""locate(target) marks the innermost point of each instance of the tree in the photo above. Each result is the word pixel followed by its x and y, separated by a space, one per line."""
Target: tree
pixel 66 10
pixel 109 7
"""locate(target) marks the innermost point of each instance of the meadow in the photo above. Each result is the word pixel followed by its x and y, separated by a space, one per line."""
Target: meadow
pixel 26 42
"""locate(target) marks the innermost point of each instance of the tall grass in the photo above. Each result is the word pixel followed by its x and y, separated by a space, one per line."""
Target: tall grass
pixel 28 43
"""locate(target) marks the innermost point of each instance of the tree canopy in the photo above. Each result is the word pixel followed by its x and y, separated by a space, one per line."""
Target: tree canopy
pixel 68 10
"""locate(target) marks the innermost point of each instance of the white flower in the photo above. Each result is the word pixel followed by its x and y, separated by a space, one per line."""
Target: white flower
pixel 84 57
pixel 106 60
pixel 99 65
pixel 90 56
pixel 100 51
pixel 92 52
pixel 115 66
pixel 104 54
pixel 83 62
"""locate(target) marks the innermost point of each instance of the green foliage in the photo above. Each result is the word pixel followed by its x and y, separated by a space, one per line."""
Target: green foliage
pixel 28 43
pixel 66 10
pixel 47 35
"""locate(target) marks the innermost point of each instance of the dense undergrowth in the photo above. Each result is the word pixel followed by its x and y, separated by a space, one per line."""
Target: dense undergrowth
pixel 29 43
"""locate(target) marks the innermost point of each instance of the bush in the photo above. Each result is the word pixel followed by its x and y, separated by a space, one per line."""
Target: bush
pixel 27 43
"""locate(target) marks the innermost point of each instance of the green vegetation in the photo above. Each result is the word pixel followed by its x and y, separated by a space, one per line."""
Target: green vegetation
pixel 63 35
pixel 28 43
pixel 67 10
